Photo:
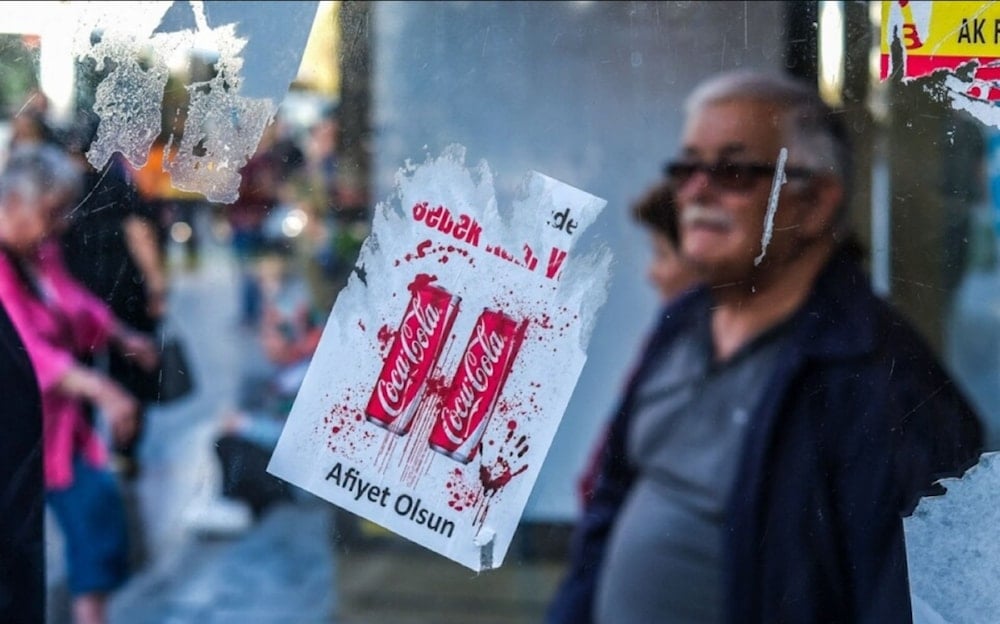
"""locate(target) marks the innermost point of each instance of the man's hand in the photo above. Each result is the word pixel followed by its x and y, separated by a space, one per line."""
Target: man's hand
pixel 138 347
pixel 117 405
pixel 120 408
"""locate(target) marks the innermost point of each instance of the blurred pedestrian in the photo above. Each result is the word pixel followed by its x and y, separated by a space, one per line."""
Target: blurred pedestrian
pixel 173 211
pixel 332 238
pixel 30 128
pixel 783 418
pixel 258 195
pixel 22 493
pixel 60 322
pixel 289 334
pixel 656 212
pixel 110 246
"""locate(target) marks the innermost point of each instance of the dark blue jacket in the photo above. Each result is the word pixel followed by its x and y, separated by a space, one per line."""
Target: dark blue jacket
pixel 858 421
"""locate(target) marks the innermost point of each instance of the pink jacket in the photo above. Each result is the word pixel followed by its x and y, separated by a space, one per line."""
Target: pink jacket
pixel 72 322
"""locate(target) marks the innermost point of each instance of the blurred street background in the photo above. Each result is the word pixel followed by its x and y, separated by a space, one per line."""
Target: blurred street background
pixel 589 93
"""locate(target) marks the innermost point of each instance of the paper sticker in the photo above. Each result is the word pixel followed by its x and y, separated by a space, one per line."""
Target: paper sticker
pixel 449 359
pixel 954 47
pixel 947 36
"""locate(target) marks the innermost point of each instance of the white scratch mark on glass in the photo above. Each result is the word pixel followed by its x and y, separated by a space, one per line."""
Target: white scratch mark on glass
pixel 746 19
pixel 772 204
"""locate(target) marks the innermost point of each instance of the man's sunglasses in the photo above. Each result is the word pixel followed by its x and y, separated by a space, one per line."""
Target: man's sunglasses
pixel 725 175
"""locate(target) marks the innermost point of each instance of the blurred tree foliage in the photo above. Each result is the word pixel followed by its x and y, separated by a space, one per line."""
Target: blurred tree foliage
pixel 18 72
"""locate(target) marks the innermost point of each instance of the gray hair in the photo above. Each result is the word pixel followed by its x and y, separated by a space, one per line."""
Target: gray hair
pixel 34 171
pixel 816 136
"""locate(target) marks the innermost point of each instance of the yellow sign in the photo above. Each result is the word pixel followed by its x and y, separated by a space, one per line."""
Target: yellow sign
pixel 941 35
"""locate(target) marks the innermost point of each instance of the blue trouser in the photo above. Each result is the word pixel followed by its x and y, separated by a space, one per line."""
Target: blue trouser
pixel 91 515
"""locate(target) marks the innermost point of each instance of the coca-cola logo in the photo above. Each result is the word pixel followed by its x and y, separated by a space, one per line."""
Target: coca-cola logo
pixel 489 352
pixel 414 338
pixel 478 367
pixel 457 420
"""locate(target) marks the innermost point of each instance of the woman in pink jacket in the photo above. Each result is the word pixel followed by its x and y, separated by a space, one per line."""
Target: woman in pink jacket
pixel 60 321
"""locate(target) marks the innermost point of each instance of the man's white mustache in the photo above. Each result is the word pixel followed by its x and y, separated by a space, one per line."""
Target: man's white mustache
pixel 696 214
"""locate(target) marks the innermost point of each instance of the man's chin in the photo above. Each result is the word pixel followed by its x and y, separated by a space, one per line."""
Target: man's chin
pixel 717 270
pixel 706 250
pixel 705 234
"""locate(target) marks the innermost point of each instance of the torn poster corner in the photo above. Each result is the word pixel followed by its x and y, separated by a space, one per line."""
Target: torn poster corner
pixel 953 548
pixel 951 47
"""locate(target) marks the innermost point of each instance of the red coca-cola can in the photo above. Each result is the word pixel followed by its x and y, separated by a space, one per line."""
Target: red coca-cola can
pixel 477 385
pixel 422 334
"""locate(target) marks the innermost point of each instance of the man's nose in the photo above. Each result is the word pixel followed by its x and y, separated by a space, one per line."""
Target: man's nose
pixel 697 185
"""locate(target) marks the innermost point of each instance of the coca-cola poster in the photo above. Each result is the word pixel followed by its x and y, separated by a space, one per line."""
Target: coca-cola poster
pixel 449 358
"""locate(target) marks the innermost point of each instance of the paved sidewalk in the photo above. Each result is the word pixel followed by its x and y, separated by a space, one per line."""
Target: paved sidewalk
pixel 281 572
pixel 426 589
pixel 389 580
pixel 286 570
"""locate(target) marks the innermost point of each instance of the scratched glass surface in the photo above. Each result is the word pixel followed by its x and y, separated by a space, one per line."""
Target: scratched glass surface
pixel 344 95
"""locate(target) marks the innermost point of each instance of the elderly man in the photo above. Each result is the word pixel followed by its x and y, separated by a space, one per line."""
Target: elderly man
pixel 782 419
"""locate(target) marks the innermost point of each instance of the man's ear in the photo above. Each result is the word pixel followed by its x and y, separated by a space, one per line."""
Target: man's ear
pixel 820 199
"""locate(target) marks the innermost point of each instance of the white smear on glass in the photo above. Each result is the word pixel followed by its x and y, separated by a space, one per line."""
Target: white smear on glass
pixel 772 204
pixel 223 126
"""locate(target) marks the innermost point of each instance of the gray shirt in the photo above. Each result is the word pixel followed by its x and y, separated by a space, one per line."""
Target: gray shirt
pixel 664 558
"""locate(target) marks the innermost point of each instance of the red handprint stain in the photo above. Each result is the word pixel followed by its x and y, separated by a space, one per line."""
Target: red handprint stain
pixel 495 475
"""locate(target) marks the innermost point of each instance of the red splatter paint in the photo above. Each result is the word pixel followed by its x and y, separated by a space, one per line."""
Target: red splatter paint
pixel 426 249
pixel 422 280
pixel 461 495
pixel 416 457
pixel 385 337
pixel 437 384
pixel 344 430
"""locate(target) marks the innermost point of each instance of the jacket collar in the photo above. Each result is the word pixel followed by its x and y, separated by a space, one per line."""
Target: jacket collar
pixel 835 322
